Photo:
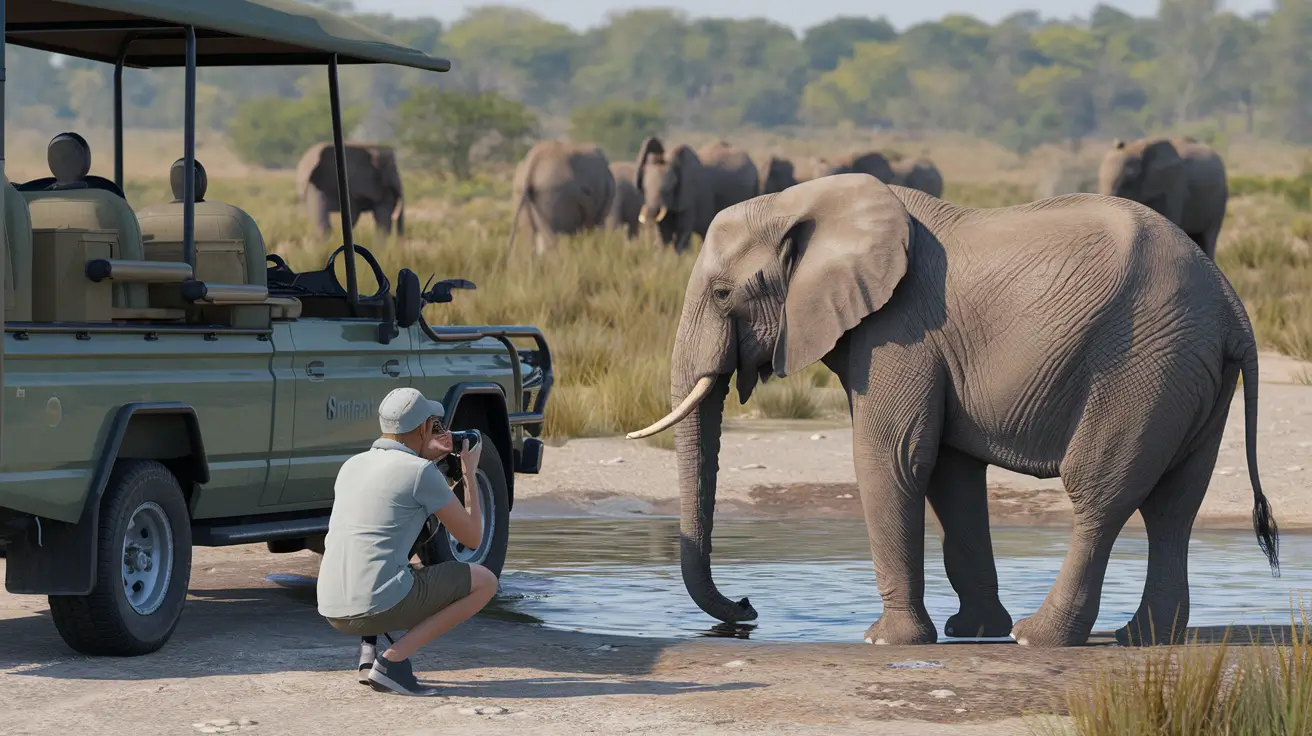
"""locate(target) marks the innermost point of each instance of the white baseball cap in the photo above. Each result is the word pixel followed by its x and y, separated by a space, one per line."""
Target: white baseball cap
pixel 403 409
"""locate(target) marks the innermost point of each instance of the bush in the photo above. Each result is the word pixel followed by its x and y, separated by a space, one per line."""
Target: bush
pixel 442 128
pixel 273 131
pixel 617 127
pixel 1297 190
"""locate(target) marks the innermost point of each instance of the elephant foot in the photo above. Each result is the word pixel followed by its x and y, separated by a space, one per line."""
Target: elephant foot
pixel 1044 629
pixel 1147 629
pixel 902 627
pixel 979 619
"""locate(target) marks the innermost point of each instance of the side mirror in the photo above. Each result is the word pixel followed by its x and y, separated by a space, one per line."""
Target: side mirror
pixel 408 294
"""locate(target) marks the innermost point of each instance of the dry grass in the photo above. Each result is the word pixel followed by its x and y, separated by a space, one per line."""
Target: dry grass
pixel 610 307
pixel 1198 691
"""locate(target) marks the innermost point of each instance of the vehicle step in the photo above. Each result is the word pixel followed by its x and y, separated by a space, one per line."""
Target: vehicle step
pixel 223 532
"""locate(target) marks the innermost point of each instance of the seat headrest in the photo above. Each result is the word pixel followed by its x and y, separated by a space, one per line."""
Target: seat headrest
pixel 175 180
pixel 69 158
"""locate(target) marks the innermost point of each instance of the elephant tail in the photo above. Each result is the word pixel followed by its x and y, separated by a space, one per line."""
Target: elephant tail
pixel 1264 523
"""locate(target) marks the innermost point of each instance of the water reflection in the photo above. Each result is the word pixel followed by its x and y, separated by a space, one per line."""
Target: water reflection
pixel 813 580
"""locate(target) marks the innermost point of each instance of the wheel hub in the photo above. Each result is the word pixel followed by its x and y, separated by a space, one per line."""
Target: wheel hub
pixel 486 500
pixel 147 558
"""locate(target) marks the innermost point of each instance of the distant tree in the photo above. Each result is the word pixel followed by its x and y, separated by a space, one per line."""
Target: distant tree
pixel 832 41
pixel 616 126
pixel 274 131
pixel 442 127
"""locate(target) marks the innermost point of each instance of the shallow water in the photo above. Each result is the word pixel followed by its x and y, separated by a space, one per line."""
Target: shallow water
pixel 814 580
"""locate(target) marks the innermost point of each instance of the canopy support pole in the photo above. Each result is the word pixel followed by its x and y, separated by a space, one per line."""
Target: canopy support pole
pixel 343 194
pixel 189 155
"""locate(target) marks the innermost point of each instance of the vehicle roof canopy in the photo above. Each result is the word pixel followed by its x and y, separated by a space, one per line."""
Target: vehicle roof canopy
pixel 228 33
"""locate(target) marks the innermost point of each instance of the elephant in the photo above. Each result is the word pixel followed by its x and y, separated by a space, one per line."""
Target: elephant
pixel 565 189
pixel 627 203
pixel 872 162
pixel 1081 337
pixel 687 188
pixel 777 175
pixel 1181 178
pixel 920 173
pixel 372 177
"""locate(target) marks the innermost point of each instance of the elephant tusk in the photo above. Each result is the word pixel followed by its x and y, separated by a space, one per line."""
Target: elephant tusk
pixel 642 215
pixel 695 397
pixel 660 216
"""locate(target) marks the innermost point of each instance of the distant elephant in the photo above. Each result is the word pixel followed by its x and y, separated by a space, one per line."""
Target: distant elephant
pixel 872 163
pixel 373 179
pixel 562 189
pixel 920 174
pixel 1080 336
pixel 627 203
pixel 1181 178
pixel 777 175
pixel 684 190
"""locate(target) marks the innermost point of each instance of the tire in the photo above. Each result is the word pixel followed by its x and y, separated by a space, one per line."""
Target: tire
pixel 146 495
pixel 442 547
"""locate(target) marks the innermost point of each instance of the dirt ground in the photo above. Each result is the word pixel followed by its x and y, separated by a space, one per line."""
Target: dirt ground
pixel 255 655
pixel 805 469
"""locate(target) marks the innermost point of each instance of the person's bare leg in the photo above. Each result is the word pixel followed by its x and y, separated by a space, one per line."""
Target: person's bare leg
pixel 482 586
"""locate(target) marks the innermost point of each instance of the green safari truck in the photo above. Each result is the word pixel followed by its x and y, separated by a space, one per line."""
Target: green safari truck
pixel 168 383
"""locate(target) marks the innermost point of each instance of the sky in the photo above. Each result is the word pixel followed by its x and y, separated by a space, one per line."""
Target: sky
pixel 799 14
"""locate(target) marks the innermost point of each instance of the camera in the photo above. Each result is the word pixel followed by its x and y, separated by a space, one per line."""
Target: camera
pixel 451 463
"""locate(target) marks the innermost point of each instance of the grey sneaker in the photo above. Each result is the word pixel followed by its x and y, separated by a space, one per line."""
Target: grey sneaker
pixel 368 652
pixel 397 677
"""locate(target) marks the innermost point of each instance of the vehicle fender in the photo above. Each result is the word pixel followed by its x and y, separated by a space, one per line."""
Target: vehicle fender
pixel 493 419
pixel 59 558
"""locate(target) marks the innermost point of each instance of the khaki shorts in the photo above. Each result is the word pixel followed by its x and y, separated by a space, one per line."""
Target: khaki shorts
pixel 436 587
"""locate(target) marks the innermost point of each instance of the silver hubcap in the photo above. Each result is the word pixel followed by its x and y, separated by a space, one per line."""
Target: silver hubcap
pixel 459 551
pixel 147 558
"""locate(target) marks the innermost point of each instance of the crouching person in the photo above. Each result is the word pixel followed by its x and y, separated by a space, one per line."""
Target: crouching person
pixel 384 495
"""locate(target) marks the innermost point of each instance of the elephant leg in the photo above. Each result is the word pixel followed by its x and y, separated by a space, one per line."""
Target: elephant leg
pixel 1168 516
pixel 894 454
pixel 1207 241
pixel 383 220
pixel 958 494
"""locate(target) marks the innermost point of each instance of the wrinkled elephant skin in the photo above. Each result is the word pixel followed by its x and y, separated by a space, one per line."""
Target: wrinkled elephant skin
pixel 373 180
pixel 1083 337
pixel 561 189
pixel 1182 179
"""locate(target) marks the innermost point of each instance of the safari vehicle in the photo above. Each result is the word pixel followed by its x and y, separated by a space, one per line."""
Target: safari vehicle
pixel 168 383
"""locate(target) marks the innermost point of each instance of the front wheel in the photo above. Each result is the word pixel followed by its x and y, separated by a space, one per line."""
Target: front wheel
pixel 494 495
pixel 143 567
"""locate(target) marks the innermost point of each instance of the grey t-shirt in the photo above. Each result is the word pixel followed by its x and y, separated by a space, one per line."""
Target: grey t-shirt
pixel 382 497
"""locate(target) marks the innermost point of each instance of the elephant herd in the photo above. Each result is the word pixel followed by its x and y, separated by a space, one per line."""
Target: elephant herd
pixel 561 188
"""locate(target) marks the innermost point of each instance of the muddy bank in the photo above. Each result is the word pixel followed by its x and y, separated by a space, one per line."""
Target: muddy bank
pixel 250 651
pixel 794 468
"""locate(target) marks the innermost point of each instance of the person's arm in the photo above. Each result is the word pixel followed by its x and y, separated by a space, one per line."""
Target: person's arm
pixel 465 522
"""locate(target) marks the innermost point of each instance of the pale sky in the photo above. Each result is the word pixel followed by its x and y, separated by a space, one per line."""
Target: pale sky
pixel 798 14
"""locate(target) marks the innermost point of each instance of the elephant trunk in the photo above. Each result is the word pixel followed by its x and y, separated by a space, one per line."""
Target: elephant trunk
pixel 697 443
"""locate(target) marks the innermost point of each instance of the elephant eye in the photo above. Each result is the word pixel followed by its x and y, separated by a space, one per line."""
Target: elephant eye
pixel 721 294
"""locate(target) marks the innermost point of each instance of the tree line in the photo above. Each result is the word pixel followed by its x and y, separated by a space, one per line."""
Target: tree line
pixel 1025 81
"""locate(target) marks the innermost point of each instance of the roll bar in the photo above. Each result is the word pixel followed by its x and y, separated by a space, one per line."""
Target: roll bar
pixel 503 334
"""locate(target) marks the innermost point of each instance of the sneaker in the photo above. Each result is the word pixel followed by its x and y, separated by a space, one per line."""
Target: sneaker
pixel 397 677
pixel 368 652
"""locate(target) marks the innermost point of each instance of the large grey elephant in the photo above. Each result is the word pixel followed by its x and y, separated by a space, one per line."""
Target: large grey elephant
pixel 684 189
pixel 918 173
pixel 1181 178
pixel 626 206
pixel 777 175
pixel 871 162
pixel 1081 336
pixel 372 178
pixel 561 189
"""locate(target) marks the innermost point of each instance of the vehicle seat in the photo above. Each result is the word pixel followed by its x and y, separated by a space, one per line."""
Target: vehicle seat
pixel 71 204
pixel 229 246
pixel 18 257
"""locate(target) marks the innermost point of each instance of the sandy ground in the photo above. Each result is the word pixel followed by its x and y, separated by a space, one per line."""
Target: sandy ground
pixel 806 470
pixel 249 651
pixel 254 653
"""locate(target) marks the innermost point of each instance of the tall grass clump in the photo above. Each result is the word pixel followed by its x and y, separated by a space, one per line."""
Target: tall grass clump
pixel 1273 277
pixel 1192 690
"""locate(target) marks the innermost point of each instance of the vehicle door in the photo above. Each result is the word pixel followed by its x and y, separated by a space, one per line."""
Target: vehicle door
pixel 342 373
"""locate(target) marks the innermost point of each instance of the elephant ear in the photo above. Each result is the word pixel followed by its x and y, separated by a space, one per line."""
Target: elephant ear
pixel 651 146
pixel 1161 166
pixel 689 169
pixel 843 255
